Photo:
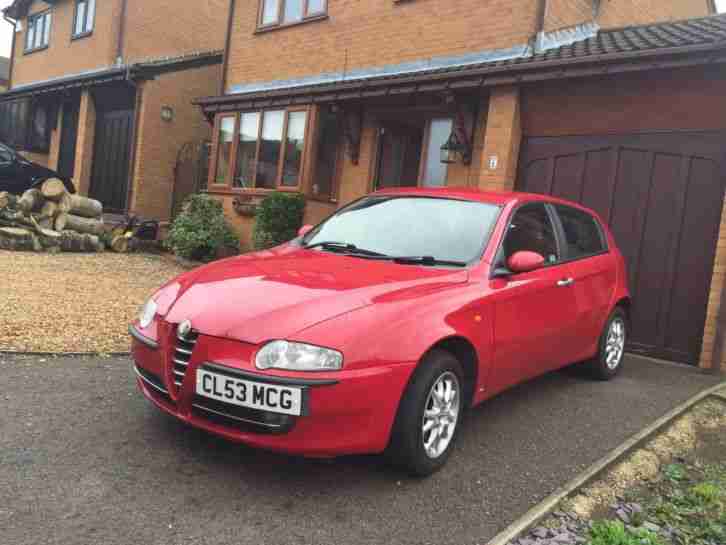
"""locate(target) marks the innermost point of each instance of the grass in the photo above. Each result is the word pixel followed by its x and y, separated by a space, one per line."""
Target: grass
pixel 614 532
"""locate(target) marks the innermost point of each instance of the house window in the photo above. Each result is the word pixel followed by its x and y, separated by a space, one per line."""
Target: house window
pixel 265 149
pixel 225 138
pixel 285 12
pixel 84 16
pixel 25 125
pixel 326 156
pixel 38 33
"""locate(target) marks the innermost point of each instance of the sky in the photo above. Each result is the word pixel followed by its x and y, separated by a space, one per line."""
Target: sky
pixel 6 29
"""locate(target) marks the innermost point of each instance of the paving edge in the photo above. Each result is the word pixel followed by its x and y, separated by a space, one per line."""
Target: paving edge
pixel 542 509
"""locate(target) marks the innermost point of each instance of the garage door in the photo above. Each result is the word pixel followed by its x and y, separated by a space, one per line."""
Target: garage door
pixel 662 196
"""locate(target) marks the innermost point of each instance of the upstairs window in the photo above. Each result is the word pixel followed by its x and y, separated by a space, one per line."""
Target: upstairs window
pixel 38 34
pixel 285 12
pixel 83 20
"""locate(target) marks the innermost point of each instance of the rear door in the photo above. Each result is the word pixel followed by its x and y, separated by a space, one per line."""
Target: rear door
pixel 535 312
pixel 592 269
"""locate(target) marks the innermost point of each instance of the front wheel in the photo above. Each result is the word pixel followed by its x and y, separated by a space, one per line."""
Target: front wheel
pixel 429 415
pixel 609 359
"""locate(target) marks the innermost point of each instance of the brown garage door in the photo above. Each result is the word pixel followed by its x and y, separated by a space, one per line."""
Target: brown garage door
pixel 662 196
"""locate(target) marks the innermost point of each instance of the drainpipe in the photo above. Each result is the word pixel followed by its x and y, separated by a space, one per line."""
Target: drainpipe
pixel 228 39
pixel 121 34
pixel 539 25
pixel 14 24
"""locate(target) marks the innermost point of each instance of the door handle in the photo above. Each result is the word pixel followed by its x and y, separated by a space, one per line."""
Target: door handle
pixel 565 282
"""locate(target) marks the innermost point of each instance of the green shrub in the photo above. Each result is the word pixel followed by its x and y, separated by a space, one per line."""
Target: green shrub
pixel 278 219
pixel 614 532
pixel 200 231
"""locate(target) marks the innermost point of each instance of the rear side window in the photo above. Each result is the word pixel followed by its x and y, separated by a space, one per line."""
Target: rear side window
pixel 583 236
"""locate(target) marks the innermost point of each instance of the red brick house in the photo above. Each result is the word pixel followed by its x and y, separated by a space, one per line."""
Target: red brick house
pixel 613 103
pixel 102 92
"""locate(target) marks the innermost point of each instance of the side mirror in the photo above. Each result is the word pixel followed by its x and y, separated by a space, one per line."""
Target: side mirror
pixel 304 230
pixel 521 262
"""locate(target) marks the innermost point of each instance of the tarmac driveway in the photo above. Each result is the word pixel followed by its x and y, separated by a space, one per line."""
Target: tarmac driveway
pixel 85 460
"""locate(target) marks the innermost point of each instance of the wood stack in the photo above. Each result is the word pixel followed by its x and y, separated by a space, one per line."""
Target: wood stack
pixel 50 219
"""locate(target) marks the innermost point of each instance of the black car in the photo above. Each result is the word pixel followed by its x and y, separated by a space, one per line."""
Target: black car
pixel 17 174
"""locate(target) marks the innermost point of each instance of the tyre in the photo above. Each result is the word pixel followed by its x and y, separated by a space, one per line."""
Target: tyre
pixel 429 415
pixel 608 361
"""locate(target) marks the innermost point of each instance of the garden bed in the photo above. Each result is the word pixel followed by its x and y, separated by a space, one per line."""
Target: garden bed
pixel 75 302
pixel 671 491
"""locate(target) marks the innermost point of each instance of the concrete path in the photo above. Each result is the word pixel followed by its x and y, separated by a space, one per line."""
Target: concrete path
pixel 84 460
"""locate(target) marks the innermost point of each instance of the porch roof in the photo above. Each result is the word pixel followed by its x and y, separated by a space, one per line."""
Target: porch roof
pixel 643 47
pixel 147 69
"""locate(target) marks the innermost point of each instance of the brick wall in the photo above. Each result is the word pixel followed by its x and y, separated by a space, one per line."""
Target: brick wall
pixel 617 13
pixel 158 28
pixel 63 55
pixel 361 34
pixel 159 141
pixel 565 13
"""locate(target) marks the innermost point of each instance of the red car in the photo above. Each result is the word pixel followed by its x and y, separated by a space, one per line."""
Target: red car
pixel 375 330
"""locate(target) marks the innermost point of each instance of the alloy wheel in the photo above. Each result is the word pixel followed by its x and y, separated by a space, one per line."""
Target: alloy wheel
pixel 615 343
pixel 441 414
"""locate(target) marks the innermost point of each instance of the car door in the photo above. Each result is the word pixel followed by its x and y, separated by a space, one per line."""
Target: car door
pixel 593 270
pixel 535 312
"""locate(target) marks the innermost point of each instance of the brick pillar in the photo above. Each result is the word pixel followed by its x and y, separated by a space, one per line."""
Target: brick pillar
pixel 55 137
pixel 84 143
pixel 501 142
pixel 714 334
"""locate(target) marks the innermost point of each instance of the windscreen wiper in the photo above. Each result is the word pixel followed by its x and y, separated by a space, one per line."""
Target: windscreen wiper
pixel 344 247
pixel 428 260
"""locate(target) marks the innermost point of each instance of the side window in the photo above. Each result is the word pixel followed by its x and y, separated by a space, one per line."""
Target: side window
pixel 531 230
pixel 582 234
pixel 5 155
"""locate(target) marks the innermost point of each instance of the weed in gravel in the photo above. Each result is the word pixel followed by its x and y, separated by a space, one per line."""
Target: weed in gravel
pixel 614 532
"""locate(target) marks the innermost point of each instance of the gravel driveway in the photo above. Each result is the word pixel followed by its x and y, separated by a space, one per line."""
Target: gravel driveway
pixel 74 302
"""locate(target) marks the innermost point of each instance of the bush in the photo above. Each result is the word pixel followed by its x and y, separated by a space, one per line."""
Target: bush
pixel 200 231
pixel 278 219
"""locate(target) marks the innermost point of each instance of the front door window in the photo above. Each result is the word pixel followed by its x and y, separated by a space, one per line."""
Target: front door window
pixel 409 154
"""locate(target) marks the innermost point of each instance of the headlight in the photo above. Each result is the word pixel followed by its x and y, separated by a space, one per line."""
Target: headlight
pixel 147 313
pixel 298 357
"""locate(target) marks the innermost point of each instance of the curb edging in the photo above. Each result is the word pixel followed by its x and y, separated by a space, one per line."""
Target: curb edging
pixel 64 354
pixel 543 508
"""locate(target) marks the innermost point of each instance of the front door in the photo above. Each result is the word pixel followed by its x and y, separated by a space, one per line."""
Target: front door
pixel 535 312
pixel 69 136
pixel 109 178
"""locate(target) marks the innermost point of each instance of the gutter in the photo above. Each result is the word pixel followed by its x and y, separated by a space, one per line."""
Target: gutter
pixel 14 24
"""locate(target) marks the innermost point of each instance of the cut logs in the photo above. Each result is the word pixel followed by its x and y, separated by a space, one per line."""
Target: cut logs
pixel 48 218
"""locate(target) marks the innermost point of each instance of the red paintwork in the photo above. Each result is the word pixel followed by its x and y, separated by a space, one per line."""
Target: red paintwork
pixel 522 262
pixel 383 317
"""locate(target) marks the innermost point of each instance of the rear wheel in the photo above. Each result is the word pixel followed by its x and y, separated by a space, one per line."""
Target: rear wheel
pixel 609 359
pixel 429 415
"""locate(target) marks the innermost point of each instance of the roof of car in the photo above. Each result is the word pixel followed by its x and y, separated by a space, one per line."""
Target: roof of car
pixel 499 198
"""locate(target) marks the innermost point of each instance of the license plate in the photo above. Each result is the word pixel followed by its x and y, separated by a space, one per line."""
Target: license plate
pixel 253 395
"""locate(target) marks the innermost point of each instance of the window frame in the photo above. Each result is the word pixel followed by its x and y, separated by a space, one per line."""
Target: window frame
pixel 227 186
pixel 46 15
pixel 280 23
pixel 563 236
pixel 498 261
pixel 85 33
pixel 16 124
pixel 374 183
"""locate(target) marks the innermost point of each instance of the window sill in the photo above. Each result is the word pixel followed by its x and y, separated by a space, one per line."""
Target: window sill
pixel 254 192
pixel 322 199
pixel 75 37
pixel 270 28
pixel 36 50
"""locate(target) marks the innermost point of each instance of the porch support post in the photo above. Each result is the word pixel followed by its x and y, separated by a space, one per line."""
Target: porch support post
pixel 503 135
pixel 84 143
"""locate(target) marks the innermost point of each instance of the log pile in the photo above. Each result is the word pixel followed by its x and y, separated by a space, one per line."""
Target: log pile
pixel 50 219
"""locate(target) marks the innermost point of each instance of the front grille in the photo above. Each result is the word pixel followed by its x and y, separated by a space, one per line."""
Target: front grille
pixel 156 386
pixel 242 418
pixel 182 354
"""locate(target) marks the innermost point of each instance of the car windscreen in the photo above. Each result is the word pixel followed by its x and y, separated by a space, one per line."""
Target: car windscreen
pixel 443 228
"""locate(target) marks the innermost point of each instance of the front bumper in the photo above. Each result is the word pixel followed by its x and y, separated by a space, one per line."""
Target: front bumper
pixel 348 412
